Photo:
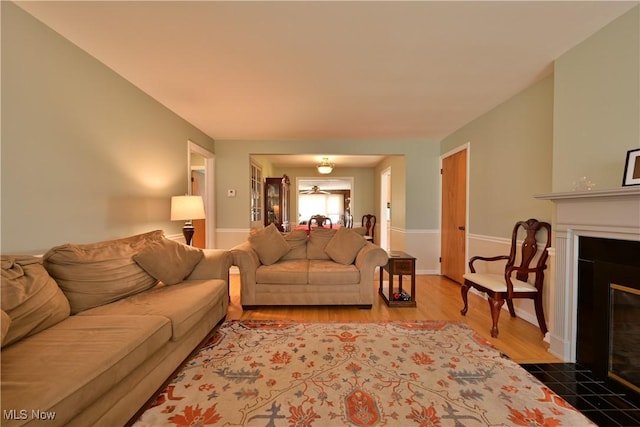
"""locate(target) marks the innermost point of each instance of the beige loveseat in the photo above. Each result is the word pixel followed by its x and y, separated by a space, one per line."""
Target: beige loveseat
pixel 328 267
pixel 89 332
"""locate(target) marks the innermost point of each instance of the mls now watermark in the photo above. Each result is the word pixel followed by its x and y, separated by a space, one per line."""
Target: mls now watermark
pixel 25 414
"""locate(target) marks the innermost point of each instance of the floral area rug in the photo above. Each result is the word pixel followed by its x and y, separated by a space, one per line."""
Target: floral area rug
pixel 427 373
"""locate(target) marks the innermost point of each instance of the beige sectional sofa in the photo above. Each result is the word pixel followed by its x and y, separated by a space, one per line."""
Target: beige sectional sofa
pixel 90 332
pixel 328 267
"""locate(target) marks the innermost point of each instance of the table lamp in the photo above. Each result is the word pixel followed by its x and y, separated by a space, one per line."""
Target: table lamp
pixel 187 208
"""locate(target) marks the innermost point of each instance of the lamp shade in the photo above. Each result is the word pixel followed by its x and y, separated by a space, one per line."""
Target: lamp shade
pixel 187 208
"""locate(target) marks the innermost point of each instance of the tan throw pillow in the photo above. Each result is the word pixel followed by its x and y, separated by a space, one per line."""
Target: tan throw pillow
pixel 30 297
pixel 5 322
pixel 269 244
pixel 359 230
pixel 318 240
pixel 168 261
pixel 344 246
pixel 95 274
pixel 297 240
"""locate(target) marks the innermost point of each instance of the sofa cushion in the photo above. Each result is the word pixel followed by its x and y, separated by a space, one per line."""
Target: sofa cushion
pixel 67 367
pixel 269 244
pixel 324 272
pixel 297 240
pixel 5 321
pixel 292 272
pixel 183 304
pixel 318 240
pixel 168 261
pixel 30 297
pixel 99 273
pixel 344 246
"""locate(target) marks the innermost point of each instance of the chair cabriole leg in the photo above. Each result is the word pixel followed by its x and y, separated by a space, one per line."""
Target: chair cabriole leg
pixel 496 306
pixel 512 311
pixel 540 315
pixel 464 290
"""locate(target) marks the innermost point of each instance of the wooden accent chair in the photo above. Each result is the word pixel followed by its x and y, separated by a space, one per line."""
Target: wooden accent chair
pixel 320 221
pixel 501 287
pixel 369 224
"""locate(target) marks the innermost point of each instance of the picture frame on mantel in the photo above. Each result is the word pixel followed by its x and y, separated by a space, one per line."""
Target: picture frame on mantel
pixel 632 168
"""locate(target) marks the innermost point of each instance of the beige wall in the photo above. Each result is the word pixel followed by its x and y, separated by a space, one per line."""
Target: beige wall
pixel 510 161
pixel 86 155
pixel 597 106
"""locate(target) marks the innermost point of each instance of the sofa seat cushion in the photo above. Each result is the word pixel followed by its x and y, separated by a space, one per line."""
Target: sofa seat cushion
pixel 293 271
pixel 183 304
pixel 323 272
pixel 65 368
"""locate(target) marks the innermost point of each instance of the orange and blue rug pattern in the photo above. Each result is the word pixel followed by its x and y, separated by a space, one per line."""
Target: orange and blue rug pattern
pixel 424 373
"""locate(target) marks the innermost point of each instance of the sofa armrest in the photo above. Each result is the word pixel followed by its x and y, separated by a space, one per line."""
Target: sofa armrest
pixel 214 265
pixel 247 261
pixel 371 256
pixel 245 258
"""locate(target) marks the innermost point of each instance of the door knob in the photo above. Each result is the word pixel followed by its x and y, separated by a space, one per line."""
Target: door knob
pixel 461 228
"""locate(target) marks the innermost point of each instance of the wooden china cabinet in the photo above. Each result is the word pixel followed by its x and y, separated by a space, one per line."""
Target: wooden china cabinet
pixel 276 202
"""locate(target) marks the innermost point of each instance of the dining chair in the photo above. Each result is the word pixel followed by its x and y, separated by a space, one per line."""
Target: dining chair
pixel 515 281
pixel 320 221
pixel 369 224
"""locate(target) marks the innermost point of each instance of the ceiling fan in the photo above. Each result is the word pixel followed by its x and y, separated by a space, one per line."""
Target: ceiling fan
pixel 314 190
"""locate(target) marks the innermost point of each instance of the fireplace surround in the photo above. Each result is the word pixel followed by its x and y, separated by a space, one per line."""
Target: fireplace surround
pixel 608 214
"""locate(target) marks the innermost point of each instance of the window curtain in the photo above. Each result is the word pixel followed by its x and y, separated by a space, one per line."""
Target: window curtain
pixel 331 205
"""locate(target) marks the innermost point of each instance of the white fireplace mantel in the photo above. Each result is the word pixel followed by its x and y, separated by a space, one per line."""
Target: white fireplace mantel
pixel 613 214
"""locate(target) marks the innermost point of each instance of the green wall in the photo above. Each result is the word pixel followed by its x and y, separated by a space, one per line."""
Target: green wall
pixel 579 122
pixel 420 173
pixel 510 161
pixel 597 106
pixel 86 155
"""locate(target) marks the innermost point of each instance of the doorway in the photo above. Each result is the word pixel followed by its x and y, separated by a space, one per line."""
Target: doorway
pixel 453 224
pixel 331 197
pixel 200 167
pixel 385 209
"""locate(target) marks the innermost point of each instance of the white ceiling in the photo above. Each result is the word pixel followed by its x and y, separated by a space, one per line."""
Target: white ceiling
pixel 359 70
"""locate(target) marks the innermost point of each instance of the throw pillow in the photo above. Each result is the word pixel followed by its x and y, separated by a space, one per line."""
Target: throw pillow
pixel 269 244
pixel 30 297
pixel 5 322
pixel 297 240
pixel 318 240
pixel 95 274
pixel 168 261
pixel 344 246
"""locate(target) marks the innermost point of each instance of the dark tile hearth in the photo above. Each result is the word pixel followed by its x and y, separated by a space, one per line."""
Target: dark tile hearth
pixel 604 402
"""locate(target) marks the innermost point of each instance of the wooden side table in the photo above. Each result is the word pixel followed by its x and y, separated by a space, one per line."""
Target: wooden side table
pixel 399 264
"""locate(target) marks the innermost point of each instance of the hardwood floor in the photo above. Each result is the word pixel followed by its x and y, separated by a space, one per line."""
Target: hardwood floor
pixel 438 298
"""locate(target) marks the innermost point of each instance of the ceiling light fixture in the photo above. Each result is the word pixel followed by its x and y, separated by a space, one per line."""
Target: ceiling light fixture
pixel 325 167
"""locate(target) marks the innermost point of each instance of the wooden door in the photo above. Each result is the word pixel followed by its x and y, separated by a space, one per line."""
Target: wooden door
pixel 197 189
pixel 454 209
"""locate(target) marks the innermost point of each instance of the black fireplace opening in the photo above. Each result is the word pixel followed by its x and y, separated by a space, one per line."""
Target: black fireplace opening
pixel 608 324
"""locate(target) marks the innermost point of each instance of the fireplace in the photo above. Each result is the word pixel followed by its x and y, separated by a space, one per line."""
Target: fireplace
pixel 603 214
pixel 608 309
